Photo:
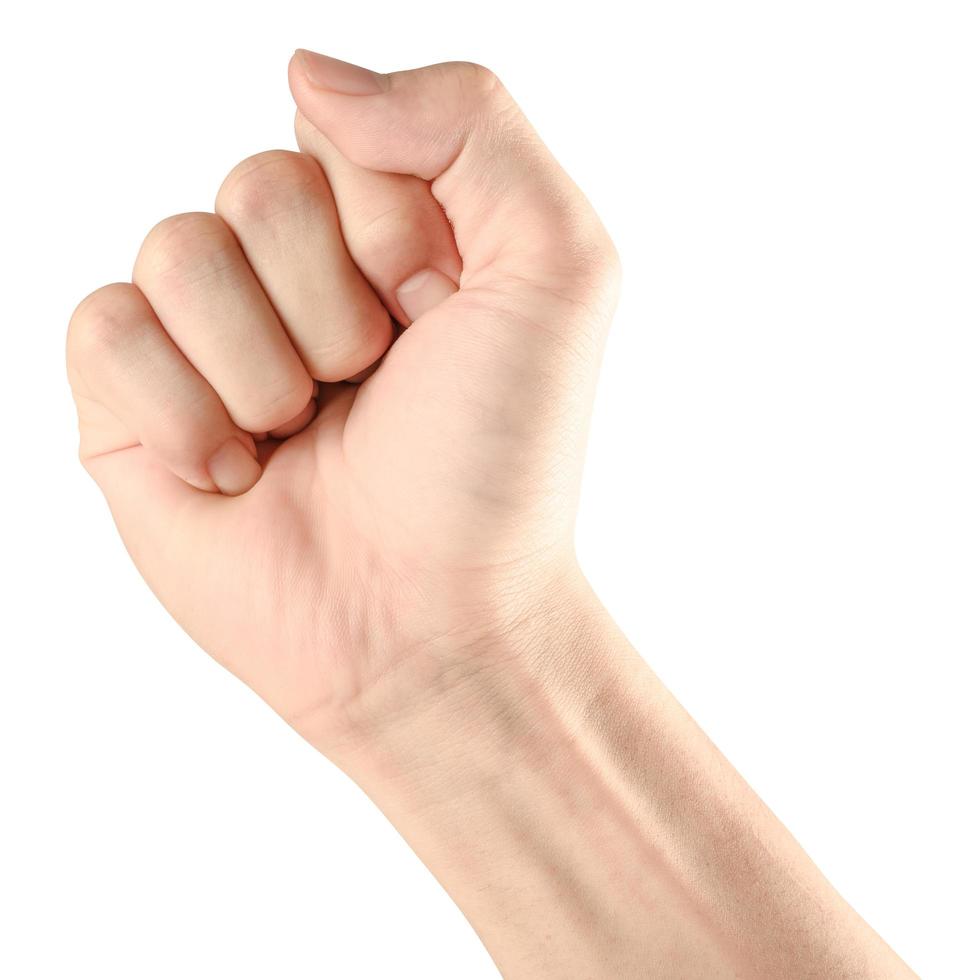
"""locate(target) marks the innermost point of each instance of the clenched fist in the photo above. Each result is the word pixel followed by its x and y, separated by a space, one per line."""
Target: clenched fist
pixel 340 421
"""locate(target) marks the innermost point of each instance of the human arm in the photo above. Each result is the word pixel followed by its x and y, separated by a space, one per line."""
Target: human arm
pixel 583 822
pixel 390 564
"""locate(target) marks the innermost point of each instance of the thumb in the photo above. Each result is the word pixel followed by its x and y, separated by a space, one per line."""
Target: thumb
pixel 515 213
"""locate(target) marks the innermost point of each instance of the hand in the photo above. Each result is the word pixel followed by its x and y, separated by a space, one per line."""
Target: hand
pixel 389 563
pixel 345 547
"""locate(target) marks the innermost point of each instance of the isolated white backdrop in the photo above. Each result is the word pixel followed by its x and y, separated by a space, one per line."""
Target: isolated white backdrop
pixel 780 506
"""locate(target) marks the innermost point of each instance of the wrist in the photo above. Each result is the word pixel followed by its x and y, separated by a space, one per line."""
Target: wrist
pixel 585 825
pixel 504 671
pixel 511 774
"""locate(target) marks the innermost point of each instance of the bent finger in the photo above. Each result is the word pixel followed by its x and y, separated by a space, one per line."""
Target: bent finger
pixel 121 358
pixel 395 230
pixel 281 209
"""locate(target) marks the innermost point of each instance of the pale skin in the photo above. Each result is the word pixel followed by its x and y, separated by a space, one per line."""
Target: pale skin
pixel 340 424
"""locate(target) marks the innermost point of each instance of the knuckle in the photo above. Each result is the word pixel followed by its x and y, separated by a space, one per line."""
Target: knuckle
pixel 488 106
pixel 594 264
pixel 273 408
pixel 349 351
pixel 268 184
pixel 483 97
pixel 605 275
pixel 382 238
pixel 196 245
pixel 612 266
pixel 474 79
pixel 172 433
pixel 600 259
pixel 577 237
pixel 101 320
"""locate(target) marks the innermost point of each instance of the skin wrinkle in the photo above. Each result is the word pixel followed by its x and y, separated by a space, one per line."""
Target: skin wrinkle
pixel 527 721
pixel 207 254
pixel 297 176
pixel 390 254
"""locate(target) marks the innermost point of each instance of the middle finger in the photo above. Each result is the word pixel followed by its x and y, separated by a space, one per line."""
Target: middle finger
pixel 282 210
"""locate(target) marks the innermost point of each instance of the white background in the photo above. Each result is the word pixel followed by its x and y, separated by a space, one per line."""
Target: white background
pixel 781 502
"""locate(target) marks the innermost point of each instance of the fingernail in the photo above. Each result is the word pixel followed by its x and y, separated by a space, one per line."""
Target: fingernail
pixel 426 289
pixel 339 76
pixel 233 468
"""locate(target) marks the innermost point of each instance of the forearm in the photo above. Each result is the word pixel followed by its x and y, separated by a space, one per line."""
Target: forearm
pixel 587 827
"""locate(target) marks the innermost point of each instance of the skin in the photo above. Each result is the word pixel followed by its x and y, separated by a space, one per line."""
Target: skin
pixel 388 561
